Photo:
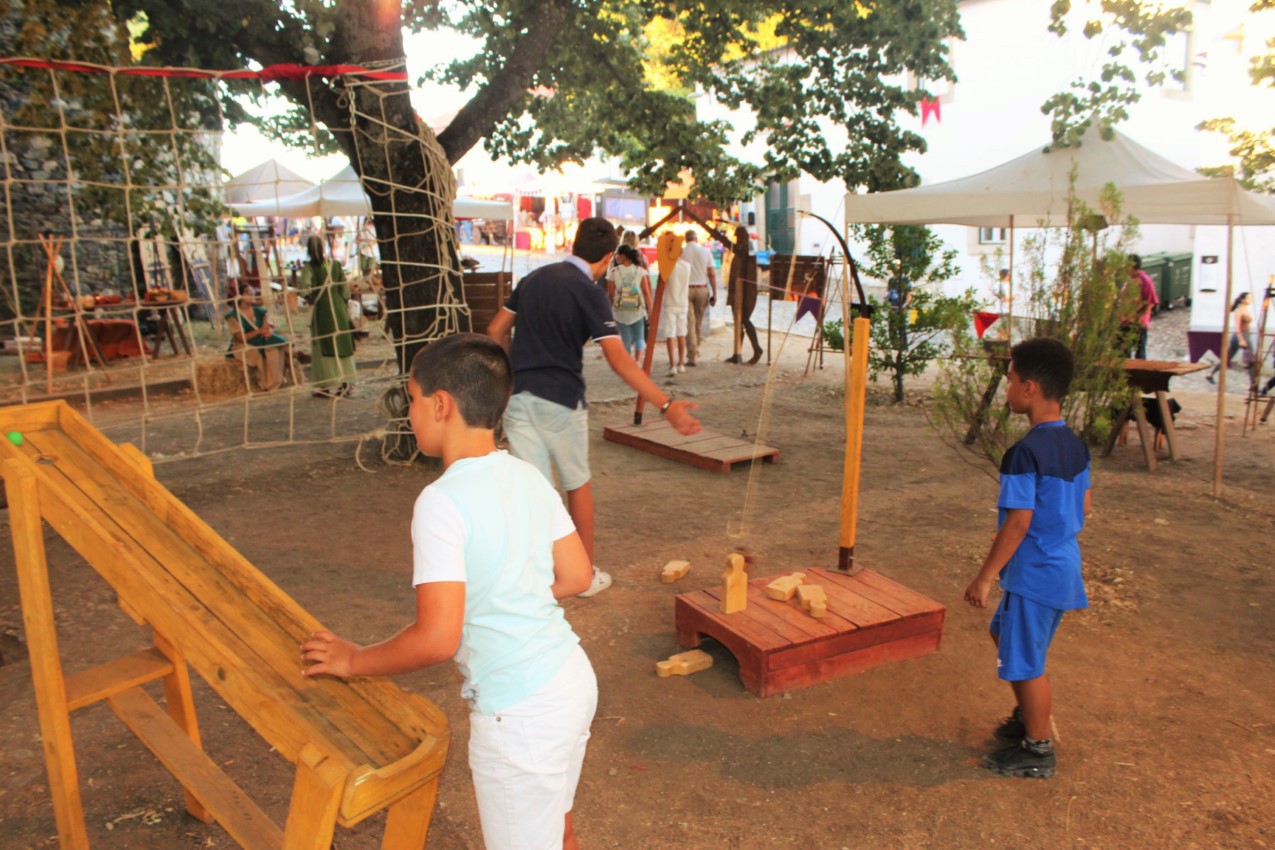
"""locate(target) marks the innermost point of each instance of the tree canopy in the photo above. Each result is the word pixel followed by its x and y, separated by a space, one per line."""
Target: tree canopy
pixel 561 80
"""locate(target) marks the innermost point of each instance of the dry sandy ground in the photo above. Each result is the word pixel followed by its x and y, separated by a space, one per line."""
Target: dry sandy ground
pixel 1165 687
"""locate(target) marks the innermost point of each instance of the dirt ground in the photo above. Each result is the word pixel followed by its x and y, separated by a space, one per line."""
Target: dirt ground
pixel 1165 687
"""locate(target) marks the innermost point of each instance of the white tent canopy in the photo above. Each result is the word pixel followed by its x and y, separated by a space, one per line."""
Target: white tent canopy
pixel 271 179
pixel 1033 189
pixel 343 195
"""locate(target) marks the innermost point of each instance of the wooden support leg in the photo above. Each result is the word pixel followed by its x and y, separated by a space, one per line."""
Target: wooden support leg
pixel 1116 428
pixel 181 707
pixel 46 663
pixel 407 822
pixel 316 796
pixel 1145 435
pixel 1170 433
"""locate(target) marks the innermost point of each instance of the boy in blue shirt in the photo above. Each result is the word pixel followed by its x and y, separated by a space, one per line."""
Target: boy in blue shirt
pixel 493 550
pixel 1044 498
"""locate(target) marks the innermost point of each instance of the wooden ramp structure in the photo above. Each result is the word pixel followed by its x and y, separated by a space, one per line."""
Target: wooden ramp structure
pixel 871 620
pixel 705 449
pixel 359 746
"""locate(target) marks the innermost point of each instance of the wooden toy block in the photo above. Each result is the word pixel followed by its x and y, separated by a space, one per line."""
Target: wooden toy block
pixel 684 664
pixel 813 599
pixel 784 587
pixel 734 585
pixel 675 570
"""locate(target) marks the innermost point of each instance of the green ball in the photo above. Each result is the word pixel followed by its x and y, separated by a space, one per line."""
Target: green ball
pixel 15 437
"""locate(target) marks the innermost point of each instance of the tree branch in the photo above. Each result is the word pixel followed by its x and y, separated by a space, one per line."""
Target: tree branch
pixel 503 91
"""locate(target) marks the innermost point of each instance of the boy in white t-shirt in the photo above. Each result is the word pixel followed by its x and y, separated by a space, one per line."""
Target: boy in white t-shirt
pixel 674 316
pixel 493 551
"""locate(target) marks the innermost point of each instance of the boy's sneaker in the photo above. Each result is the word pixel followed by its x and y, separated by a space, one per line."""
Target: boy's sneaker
pixel 1012 730
pixel 1019 760
pixel 601 581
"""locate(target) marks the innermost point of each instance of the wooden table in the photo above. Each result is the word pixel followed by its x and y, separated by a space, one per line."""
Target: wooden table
pixel 1151 376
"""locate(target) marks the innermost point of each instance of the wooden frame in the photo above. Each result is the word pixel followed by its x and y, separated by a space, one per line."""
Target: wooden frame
pixel 359 746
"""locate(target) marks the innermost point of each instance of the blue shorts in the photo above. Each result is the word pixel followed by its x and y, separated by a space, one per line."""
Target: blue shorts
pixel 634 336
pixel 1023 630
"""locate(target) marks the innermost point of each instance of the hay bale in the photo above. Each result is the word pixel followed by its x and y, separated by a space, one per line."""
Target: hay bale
pixel 221 378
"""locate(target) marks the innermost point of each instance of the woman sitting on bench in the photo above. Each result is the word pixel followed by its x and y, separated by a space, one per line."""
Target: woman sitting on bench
pixel 255 343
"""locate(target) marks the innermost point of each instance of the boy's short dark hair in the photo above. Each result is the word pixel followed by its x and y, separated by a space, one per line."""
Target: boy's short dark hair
pixel 1047 362
pixel 474 369
pixel 595 238
pixel 1137 262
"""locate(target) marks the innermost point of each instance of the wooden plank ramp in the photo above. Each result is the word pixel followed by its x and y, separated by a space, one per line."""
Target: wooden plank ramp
pixel 871 620
pixel 705 450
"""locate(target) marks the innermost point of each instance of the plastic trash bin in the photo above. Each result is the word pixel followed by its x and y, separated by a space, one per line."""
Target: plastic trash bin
pixel 1177 280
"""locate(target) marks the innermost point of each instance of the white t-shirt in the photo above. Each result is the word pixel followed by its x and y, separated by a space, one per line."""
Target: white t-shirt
pixel 491 523
pixel 700 260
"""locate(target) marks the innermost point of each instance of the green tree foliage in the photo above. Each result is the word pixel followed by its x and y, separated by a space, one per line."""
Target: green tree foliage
pixel 910 330
pixel 1137 32
pixel 119 164
pixel 1078 290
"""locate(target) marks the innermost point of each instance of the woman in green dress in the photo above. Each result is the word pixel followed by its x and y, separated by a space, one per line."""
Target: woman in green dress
pixel 331 342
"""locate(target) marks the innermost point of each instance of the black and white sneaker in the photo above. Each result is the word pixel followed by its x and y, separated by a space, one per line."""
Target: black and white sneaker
pixel 1022 761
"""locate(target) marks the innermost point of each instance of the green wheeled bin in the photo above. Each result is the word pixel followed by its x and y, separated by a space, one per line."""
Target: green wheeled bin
pixel 1177 280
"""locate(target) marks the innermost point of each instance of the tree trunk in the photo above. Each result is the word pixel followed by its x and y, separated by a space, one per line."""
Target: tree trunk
pixel 407 177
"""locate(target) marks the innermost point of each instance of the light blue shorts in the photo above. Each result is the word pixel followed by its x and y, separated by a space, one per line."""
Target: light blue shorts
pixel 550 437
pixel 1023 629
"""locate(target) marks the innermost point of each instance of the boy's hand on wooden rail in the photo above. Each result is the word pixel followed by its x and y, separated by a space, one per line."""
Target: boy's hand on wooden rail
pixel 331 655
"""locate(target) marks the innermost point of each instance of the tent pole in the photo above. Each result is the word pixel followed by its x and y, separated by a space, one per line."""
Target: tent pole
pixel 1009 319
pixel 1219 438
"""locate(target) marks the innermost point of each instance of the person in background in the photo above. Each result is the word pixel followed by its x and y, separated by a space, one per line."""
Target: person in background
pixel 703 291
pixel 1241 337
pixel 629 288
pixel 1138 327
pixel 322 282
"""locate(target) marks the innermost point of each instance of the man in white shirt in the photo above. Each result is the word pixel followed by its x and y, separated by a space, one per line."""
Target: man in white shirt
pixel 702 292
pixel 673 316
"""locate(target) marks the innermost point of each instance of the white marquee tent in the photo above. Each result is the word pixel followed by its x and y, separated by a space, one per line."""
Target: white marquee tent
pixel 1031 191
pixel 271 179
pixel 343 195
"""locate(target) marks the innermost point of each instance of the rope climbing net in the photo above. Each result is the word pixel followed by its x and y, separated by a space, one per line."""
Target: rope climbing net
pixel 130 288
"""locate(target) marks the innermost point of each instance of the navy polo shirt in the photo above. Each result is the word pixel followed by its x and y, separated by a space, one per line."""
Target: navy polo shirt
pixel 558 310
pixel 1046 472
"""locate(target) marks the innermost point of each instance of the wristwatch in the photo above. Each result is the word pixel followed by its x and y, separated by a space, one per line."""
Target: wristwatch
pixel 665 406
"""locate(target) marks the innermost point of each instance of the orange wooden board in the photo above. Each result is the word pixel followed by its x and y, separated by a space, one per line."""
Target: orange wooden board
pixel 705 449
pixel 871 620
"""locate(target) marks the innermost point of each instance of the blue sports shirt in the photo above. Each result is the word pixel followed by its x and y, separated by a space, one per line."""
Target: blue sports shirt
pixel 1046 472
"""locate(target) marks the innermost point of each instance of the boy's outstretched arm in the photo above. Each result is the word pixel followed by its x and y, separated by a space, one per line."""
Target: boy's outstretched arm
pixel 678 413
pixel 572 570
pixel 433 637
pixel 501 325
pixel 1004 545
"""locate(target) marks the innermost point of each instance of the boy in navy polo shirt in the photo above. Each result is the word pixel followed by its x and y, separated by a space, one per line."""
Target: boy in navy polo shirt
pixel 544 325
pixel 1044 498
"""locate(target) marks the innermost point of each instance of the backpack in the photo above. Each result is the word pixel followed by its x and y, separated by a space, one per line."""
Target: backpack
pixel 628 293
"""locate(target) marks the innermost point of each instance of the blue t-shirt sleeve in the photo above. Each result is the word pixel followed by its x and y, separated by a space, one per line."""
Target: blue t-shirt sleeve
pixel 598 318
pixel 1019 474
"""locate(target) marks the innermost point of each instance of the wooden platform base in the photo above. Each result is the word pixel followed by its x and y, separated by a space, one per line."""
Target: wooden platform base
pixel 706 450
pixel 871 620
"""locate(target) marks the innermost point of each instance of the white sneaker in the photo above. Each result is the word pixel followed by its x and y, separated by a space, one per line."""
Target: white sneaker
pixel 681 368
pixel 601 581
pixel 671 373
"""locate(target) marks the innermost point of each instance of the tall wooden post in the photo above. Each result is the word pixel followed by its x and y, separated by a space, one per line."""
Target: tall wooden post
pixel 856 401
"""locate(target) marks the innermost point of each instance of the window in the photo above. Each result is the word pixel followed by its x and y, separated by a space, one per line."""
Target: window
pixel 993 235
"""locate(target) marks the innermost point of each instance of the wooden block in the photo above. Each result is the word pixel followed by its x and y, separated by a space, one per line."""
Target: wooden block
pixel 734 585
pixel 813 599
pixel 684 664
pixel 784 587
pixel 675 570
